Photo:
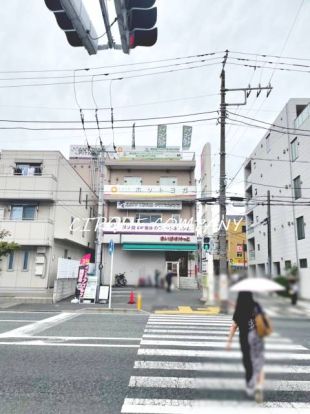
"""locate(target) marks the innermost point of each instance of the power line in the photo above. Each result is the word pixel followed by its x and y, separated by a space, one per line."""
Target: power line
pixel 108 121
pixel 109 79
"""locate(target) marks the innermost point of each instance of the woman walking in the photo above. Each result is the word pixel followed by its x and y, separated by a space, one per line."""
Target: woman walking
pixel 252 346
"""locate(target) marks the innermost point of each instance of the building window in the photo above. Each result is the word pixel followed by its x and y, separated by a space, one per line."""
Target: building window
pixel 294 149
pixel 65 253
pixel 303 263
pixel 148 218
pixel 268 143
pixel 300 228
pixel 176 218
pixel 80 196
pixel 133 180
pixel 243 229
pixel 297 187
pixel 71 229
pixel 23 212
pixel 25 260
pixel 258 246
pixel 11 261
pixel 287 264
pixel 168 181
pixel 86 201
pixel 28 169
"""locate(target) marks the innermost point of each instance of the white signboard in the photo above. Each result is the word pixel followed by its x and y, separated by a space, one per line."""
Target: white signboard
pixel 67 268
pixel 149 205
pixel 148 228
pixel 159 238
pixel 90 291
pixel 149 191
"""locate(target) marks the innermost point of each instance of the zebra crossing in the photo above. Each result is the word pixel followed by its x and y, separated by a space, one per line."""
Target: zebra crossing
pixel 182 366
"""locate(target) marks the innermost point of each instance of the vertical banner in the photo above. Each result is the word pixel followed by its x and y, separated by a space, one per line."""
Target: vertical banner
pixel 82 276
pixel 161 136
pixel 186 137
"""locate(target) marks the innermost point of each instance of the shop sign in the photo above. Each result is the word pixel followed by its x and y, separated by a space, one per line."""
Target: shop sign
pixel 148 228
pixel 176 239
pixel 145 190
pixel 149 205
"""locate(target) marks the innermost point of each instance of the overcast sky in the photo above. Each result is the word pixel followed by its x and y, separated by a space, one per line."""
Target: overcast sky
pixel 31 40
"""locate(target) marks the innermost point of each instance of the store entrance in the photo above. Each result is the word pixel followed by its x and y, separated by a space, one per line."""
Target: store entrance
pixel 182 259
pixel 174 268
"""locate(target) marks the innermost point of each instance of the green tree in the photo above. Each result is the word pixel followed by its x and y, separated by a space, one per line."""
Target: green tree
pixel 5 246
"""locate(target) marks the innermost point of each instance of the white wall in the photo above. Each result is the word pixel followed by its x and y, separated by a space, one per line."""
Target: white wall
pixel 272 170
pixel 134 263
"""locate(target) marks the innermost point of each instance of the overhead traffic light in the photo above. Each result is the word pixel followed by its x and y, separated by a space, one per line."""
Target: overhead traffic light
pixel 73 19
pixel 136 20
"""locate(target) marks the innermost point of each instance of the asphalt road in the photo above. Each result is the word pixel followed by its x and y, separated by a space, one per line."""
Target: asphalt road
pixel 91 376
pixel 78 361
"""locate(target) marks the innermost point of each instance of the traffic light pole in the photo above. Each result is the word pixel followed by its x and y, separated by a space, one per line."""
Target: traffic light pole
pixel 98 252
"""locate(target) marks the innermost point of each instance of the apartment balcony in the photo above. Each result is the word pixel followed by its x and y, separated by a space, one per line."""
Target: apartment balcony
pixel 146 192
pixel 250 230
pixel 29 232
pixel 27 187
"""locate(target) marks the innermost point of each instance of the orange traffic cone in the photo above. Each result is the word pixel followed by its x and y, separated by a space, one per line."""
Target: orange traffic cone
pixel 131 298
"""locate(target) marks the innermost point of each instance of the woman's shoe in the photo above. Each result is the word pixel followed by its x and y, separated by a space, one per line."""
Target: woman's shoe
pixel 249 391
pixel 259 395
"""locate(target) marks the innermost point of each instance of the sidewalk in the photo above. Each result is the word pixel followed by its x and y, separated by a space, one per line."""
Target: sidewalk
pixel 152 299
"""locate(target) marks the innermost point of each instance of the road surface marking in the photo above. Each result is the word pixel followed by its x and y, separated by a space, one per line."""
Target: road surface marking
pixel 284 347
pixel 19 320
pixel 222 324
pixel 214 337
pixel 214 383
pixel 218 367
pixel 172 406
pixel 213 310
pixel 221 354
pixel 42 343
pixel 39 326
pixel 80 338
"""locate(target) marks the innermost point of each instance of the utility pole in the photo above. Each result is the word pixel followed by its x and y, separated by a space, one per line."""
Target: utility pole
pixel 222 288
pixel 269 234
pixel 100 214
pixel 222 193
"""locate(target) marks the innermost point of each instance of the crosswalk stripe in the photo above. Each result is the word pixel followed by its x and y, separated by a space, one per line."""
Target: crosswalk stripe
pixel 284 347
pixel 218 367
pixel 214 383
pixel 186 323
pixel 191 318
pixel 214 337
pixel 220 354
pixel 173 406
pixel 194 329
pixel 183 331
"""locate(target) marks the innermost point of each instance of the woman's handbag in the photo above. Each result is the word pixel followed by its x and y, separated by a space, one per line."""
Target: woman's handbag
pixel 263 323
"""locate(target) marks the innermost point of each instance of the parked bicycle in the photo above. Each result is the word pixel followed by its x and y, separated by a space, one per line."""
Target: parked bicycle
pixel 120 280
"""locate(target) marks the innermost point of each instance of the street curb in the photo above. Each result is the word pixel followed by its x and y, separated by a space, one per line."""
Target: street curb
pixel 112 310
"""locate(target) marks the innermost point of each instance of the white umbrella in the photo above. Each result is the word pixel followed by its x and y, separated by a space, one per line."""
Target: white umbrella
pixel 256 284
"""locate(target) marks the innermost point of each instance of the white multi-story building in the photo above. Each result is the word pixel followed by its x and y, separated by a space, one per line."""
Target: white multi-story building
pixel 280 163
pixel 40 196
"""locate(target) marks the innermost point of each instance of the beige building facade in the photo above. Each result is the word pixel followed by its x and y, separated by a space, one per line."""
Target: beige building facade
pixel 40 197
pixel 150 196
